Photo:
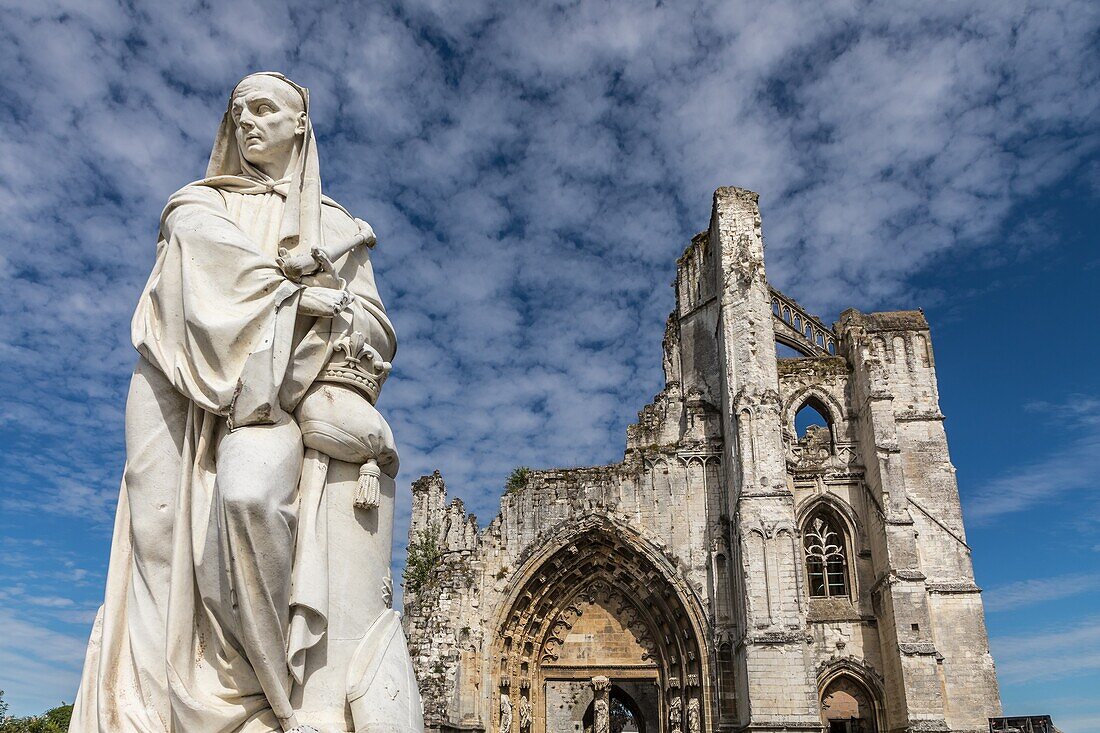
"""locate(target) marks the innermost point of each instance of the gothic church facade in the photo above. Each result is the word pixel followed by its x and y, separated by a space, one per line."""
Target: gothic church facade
pixel 732 573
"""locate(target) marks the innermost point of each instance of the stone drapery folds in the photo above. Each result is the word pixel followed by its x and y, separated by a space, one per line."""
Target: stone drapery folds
pixel 224 609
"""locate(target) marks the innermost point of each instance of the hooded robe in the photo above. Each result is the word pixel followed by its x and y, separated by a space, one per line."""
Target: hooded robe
pixel 224 354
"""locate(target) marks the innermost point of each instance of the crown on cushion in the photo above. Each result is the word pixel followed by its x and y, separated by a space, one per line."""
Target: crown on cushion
pixel 359 366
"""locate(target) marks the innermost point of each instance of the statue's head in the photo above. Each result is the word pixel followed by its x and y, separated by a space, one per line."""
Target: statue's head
pixel 270 119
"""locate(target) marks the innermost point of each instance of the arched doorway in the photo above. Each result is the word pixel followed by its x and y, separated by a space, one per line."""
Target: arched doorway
pixel 848 705
pixel 601 604
pixel 625 715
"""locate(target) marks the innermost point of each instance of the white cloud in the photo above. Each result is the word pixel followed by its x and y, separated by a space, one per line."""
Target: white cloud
pixel 1080 411
pixel 49 601
pixel 1078 723
pixel 1068 651
pixel 39 668
pixel 1011 596
pixel 533 170
pixel 1071 470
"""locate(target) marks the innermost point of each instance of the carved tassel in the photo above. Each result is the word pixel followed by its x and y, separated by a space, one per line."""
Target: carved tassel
pixel 369 490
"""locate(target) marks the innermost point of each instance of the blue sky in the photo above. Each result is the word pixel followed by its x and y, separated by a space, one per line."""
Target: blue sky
pixel 533 170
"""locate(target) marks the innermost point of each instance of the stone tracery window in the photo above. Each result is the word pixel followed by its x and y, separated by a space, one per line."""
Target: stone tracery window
pixel 826 556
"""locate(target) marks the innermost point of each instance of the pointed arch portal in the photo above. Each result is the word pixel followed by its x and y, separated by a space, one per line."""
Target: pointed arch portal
pixel 602 603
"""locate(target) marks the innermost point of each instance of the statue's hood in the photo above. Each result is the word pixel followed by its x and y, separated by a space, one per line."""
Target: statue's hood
pixel 301 225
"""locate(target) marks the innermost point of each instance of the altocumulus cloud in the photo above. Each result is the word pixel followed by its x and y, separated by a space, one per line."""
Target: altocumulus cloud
pixel 532 168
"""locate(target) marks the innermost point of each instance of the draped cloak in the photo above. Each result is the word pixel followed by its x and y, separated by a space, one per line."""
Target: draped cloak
pixel 222 346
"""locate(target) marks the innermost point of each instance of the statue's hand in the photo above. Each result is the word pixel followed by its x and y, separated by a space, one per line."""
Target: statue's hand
pixel 323 302
pixel 325 276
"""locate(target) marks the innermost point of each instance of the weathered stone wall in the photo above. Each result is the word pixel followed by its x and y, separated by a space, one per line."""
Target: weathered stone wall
pixel 688 560
pixel 927 602
pixel 566 703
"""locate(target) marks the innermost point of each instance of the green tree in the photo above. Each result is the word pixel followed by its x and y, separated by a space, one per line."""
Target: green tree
pixel 55 720
pixel 60 716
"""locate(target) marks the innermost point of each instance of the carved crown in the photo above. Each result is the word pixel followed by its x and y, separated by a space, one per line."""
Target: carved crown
pixel 355 362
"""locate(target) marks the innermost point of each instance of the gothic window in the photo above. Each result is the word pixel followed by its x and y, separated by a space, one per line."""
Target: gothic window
pixel 811 414
pixel 826 558
pixel 723 612
pixel 813 431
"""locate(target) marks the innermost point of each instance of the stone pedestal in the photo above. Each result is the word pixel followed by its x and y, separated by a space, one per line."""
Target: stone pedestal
pixel 362 656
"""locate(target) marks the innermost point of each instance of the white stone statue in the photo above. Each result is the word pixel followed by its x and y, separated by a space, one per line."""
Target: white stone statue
pixel 525 715
pixel 249 588
pixel 601 720
pixel 505 713
pixel 693 716
pixel 601 710
pixel 675 714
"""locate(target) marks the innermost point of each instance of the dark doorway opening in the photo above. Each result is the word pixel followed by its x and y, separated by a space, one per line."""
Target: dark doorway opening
pixel 624 714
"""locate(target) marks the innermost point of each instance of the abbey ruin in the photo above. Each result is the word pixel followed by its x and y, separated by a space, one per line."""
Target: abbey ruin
pixel 731 573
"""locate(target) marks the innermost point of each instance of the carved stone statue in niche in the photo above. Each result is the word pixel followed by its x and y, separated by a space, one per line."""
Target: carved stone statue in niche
pixel 675 714
pixel 693 715
pixel 816 445
pixel 525 718
pixel 505 713
pixel 601 708
pixel 249 587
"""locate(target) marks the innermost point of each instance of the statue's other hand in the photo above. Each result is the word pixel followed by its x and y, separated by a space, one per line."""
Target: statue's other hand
pixel 323 302
pixel 367 229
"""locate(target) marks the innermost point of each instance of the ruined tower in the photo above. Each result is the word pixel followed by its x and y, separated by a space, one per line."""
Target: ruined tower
pixel 733 572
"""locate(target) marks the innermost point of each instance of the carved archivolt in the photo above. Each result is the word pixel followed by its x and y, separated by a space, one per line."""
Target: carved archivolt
pixel 600 563
pixel 823 398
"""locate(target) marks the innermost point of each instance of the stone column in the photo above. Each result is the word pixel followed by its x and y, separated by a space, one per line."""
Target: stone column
pixel 601 709
pixel 775 685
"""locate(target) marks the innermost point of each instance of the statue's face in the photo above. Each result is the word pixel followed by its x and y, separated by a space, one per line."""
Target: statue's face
pixel 270 119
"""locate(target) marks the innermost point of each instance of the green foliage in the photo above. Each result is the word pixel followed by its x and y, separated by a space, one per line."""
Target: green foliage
pixel 52 721
pixel 60 716
pixel 517 479
pixel 424 556
pixel 620 716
